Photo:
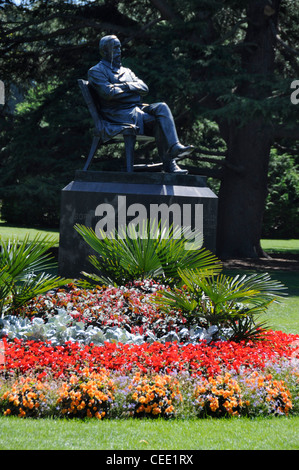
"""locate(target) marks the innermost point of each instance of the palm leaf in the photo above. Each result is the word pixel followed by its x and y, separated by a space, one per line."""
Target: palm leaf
pixel 223 300
pixel 140 254
pixel 33 286
pixel 26 256
pixel 173 256
pixel 6 282
pixel 254 289
pixel 19 263
pixel 122 257
pixel 176 299
pixel 246 329
pixel 266 289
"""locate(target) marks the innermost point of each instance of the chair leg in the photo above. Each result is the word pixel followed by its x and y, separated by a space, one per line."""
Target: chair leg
pixel 93 149
pixel 130 141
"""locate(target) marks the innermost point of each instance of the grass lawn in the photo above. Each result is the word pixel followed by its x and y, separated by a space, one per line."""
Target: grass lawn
pixel 280 246
pixel 199 434
pixel 11 232
pixel 284 316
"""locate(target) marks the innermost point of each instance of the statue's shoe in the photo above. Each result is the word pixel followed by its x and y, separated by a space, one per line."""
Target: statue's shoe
pixel 170 166
pixel 179 150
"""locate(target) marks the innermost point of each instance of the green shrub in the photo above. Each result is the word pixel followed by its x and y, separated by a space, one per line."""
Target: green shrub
pixel 231 303
pixel 22 271
pixel 125 258
pixel 281 219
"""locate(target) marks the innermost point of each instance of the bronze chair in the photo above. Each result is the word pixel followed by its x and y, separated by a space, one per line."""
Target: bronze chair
pixel 128 136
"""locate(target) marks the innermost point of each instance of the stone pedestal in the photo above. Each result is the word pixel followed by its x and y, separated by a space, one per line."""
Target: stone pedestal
pixel 93 197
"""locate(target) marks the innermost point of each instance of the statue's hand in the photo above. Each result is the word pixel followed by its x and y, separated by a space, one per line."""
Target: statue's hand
pixel 123 86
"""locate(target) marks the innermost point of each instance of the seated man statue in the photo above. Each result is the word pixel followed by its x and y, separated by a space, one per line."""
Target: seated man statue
pixel 120 91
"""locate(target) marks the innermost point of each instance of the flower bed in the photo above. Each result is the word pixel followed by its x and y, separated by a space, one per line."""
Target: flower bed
pixel 153 378
pixel 197 359
pixel 109 394
pixel 125 314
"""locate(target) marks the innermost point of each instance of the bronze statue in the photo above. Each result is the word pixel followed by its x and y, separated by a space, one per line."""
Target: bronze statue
pixel 120 92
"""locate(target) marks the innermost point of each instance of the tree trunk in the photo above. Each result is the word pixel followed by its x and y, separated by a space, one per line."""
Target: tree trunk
pixel 243 191
pixel 244 185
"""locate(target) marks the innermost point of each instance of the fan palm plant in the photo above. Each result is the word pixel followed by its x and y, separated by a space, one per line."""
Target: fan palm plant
pixel 228 302
pixel 124 257
pixel 22 271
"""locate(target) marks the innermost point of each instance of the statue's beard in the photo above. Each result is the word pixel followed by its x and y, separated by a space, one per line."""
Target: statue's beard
pixel 115 61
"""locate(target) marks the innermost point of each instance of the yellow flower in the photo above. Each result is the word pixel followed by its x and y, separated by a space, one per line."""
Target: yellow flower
pixel 73 380
pixel 169 409
pixel 201 389
pixel 234 402
pixel 22 413
pixel 260 381
pixel 148 409
pixel 214 403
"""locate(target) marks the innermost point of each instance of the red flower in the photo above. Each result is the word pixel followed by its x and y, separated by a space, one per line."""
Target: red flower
pixel 24 356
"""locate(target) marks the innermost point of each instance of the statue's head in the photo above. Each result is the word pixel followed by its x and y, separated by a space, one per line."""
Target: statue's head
pixel 110 49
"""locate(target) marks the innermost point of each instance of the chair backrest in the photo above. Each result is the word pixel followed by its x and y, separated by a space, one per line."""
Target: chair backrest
pixel 87 95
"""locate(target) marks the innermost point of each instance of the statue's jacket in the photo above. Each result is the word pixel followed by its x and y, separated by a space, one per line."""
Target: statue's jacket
pixel 119 93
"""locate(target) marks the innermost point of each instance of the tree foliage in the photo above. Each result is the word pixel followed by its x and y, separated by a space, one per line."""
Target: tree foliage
pixel 221 66
pixel 282 206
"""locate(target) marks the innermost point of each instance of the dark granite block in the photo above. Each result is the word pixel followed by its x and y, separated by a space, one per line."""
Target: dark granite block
pixel 85 199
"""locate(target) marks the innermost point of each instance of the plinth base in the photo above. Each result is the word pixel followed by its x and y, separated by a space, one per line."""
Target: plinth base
pixel 112 199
